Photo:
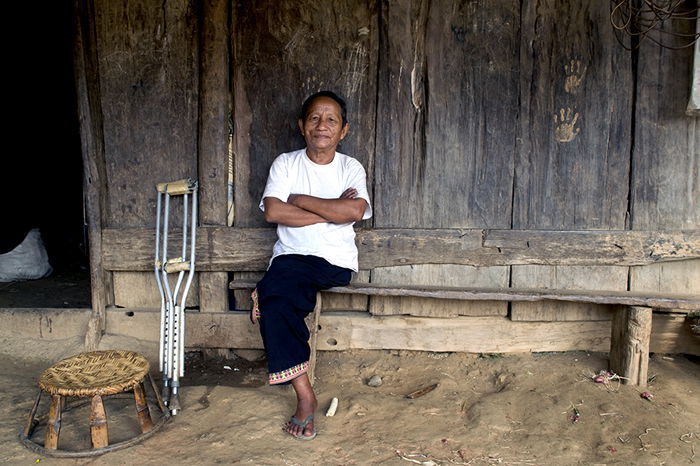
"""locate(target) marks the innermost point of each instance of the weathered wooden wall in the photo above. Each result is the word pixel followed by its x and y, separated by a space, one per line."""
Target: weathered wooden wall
pixel 472 117
pixel 576 94
pixel 665 183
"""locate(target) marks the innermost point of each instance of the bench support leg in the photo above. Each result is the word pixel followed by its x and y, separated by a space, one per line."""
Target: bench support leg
pixel 629 346
pixel 313 341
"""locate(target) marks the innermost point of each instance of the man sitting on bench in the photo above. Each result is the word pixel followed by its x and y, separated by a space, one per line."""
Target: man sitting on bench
pixel 314 195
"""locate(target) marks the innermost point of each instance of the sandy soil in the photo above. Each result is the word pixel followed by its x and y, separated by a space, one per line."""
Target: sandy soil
pixel 510 409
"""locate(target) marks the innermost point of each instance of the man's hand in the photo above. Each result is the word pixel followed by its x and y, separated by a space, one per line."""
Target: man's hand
pixel 350 193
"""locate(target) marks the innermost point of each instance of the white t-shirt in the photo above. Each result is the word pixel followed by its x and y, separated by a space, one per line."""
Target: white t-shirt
pixel 295 173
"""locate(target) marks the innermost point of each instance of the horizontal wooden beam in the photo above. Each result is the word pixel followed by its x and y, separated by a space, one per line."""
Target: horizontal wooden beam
pixel 222 249
pixel 359 330
pixel 626 298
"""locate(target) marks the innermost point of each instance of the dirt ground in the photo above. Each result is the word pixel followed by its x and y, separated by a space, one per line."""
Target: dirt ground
pixel 487 409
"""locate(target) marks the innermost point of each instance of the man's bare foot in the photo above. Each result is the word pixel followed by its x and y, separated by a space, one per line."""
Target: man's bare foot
pixel 302 423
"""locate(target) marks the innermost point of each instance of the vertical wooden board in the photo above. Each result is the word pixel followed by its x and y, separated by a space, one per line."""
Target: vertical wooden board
pixel 339 302
pixel 86 71
pixel 666 159
pixel 447 123
pixel 148 57
pixel 572 166
pixel 567 278
pixel 665 188
pixel 445 275
pixel 668 277
pixel 284 51
pixel 215 109
pixel 447 114
pixel 138 290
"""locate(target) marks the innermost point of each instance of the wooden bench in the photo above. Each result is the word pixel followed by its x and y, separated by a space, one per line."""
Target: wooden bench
pixel 631 323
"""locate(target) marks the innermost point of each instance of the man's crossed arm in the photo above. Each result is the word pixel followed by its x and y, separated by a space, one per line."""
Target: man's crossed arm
pixel 302 210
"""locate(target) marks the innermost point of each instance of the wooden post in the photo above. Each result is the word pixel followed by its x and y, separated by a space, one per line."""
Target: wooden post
pixel 53 424
pixel 629 351
pixel 313 340
pixel 98 423
pixel 142 408
pixel 214 111
pixel 92 142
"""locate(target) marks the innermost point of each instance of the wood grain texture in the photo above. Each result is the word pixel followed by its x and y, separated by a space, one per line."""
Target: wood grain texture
pixel 87 82
pixel 249 249
pixel 148 65
pixel 99 434
pixel 629 346
pixel 665 189
pixel 446 143
pixel 627 298
pixel 362 331
pixel 572 175
pixel 447 114
pixel 53 423
pixel 444 275
pixel 283 52
pixel 139 290
pixel 215 105
pixel 572 167
pixel 566 278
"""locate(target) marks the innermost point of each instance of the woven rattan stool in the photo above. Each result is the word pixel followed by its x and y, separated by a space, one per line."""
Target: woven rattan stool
pixel 93 375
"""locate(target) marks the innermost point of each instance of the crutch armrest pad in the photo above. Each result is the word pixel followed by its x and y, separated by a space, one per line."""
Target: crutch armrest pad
pixel 174 188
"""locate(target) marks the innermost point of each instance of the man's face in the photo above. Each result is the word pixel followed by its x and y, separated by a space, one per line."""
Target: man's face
pixel 322 127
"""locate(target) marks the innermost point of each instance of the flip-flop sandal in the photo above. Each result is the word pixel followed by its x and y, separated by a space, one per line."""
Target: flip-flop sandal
pixel 255 312
pixel 303 424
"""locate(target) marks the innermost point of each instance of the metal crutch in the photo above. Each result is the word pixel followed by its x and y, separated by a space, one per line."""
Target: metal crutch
pixel 172 302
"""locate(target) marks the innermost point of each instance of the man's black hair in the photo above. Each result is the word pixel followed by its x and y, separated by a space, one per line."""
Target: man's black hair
pixel 329 94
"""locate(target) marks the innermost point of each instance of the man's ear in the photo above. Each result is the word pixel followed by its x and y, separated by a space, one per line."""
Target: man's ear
pixel 300 122
pixel 344 131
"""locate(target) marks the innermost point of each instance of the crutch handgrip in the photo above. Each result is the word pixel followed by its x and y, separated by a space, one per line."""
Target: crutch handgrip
pixel 174 188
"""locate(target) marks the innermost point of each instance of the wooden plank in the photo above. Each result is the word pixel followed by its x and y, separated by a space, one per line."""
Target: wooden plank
pixel 443 163
pixel 342 331
pixel 275 38
pixel 249 249
pixel 674 277
pixel 94 177
pixel 572 166
pixel 139 290
pixel 148 60
pixel 629 350
pixel 567 278
pixel 665 188
pixel 334 302
pixel 627 298
pixel 445 275
pixel 572 174
pixel 215 105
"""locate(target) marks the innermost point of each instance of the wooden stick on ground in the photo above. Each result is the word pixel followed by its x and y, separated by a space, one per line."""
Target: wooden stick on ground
pixel 314 337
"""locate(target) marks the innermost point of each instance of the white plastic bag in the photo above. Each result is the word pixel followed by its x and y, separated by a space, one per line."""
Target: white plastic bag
pixel 28 261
